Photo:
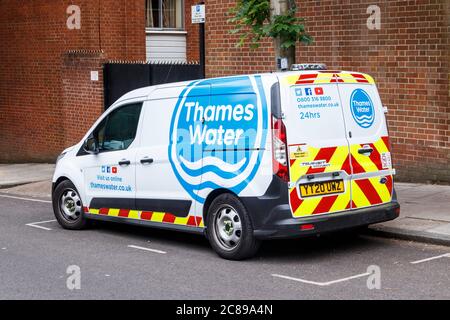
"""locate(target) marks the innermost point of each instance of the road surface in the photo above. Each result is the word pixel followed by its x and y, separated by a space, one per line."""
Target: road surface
pixel 124 262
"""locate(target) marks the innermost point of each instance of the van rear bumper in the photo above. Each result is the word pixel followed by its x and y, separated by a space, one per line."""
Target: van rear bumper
pixel 292 227
pixel 272 217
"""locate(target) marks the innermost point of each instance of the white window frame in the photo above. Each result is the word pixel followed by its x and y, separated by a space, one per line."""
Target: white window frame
pixel 150 30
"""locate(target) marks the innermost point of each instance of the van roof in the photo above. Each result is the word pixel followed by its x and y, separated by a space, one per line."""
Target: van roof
pixel 344 76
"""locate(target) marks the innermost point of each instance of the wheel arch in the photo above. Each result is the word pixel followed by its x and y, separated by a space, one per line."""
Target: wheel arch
pixel 210 198
pixel 58 181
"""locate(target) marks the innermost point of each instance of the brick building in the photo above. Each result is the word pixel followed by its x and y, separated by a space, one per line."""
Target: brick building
pixel 48 100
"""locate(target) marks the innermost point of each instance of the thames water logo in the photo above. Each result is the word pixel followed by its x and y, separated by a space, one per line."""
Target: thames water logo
pixel 363 111
pixel 216 140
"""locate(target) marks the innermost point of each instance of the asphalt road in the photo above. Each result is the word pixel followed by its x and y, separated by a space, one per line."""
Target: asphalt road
pixel 34 260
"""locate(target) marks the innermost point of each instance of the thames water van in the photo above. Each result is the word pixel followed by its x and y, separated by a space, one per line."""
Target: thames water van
pixel 240 159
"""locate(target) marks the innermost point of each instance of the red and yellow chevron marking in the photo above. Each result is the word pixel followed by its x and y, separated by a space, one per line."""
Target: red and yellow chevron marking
pixel 369 192
pixel 359 193
pixel 328 77
pixel 362 163
pixel 338 160
pixel 153 216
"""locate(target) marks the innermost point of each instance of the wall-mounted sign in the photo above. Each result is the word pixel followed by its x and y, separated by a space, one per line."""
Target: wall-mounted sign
pixel 198 13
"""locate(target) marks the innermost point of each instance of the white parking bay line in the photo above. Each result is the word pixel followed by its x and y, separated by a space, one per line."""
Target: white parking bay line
pixel 26 199
pixel 36 224
pixel 447 255
pixel 322 284
pixel 147 249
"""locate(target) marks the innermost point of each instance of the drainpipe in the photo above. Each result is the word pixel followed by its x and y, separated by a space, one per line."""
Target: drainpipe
pixel 284 58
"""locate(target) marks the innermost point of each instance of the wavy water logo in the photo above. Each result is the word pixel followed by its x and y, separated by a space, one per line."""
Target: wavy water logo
pixel 216 139
pixel 363 111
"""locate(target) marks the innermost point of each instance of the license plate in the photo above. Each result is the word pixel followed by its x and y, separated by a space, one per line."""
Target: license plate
pixel 321 188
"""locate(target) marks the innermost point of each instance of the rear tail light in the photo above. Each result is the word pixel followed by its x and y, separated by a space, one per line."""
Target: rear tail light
pixel 307 227
pixel 280 160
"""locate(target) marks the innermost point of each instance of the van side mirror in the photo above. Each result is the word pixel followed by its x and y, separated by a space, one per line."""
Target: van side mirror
pixel 91 145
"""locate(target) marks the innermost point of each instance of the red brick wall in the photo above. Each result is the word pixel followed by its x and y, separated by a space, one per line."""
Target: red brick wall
pixel 408 57
pixel 192 37
pixel 82 99
pixel 39 101
pixel 222 57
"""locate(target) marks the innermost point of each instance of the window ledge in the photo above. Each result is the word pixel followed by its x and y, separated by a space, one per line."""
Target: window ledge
pixel 163 31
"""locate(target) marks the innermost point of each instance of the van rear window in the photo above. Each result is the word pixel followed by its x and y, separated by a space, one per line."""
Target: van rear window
pixel 314 111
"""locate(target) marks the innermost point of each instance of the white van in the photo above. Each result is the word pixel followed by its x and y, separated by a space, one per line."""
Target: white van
pixel 239 159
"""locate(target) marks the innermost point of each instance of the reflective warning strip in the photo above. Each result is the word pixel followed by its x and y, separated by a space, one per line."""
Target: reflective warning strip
pixel 370 192
pixel 330 77
pixel 362 163
pixel 365 192
pixel 153 216
pixel 337 159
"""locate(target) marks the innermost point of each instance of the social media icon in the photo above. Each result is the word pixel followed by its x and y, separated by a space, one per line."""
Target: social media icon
pixel 318 91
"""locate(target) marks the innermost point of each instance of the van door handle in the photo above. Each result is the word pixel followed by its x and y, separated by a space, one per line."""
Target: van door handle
pixel 365 150
pixel 124 163
pixel 146 160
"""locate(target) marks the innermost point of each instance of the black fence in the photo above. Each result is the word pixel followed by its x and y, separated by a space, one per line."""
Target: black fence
pixel 120 78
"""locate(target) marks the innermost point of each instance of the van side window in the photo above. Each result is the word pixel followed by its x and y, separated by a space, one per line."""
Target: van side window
pixel 118 130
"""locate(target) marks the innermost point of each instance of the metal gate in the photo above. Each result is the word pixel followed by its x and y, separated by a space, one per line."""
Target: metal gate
pixel 120 78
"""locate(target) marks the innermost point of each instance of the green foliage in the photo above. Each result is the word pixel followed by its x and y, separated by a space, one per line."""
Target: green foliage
pixel 253 19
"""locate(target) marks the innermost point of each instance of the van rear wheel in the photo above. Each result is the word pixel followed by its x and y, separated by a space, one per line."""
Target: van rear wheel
pixel 230 231
pixel 68 207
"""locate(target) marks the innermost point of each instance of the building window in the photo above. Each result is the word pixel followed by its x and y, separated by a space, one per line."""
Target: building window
pixel 164 14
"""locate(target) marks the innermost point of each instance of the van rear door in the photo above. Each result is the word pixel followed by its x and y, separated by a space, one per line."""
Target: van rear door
pixel 318 149
pixel 368 137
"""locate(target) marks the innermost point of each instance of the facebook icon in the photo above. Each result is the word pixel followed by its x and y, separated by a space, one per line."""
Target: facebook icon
pixel 308 91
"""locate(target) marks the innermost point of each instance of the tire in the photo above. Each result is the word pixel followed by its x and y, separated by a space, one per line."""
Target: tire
pixel 230 230
pixel 68 207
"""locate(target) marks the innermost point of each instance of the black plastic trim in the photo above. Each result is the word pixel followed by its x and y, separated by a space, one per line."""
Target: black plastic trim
pixel 290 228
pixel 158 225
pixel 264 209
pixel 179 208
pixel 271 215
pixel 116 203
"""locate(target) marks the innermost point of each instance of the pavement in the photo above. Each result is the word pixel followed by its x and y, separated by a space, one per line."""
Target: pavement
pixel 424 214
pixel 12 175
pixel 425 209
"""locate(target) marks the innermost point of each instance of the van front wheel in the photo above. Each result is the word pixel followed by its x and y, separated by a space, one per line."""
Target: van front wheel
pixel 67 206
pixel 230 231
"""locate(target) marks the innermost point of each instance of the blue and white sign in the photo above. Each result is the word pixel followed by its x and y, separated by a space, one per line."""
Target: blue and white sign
pixel 218 136
pixel 198 13
pixel 362 107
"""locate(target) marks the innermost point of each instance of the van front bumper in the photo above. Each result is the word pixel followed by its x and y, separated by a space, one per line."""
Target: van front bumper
pixel 307 226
